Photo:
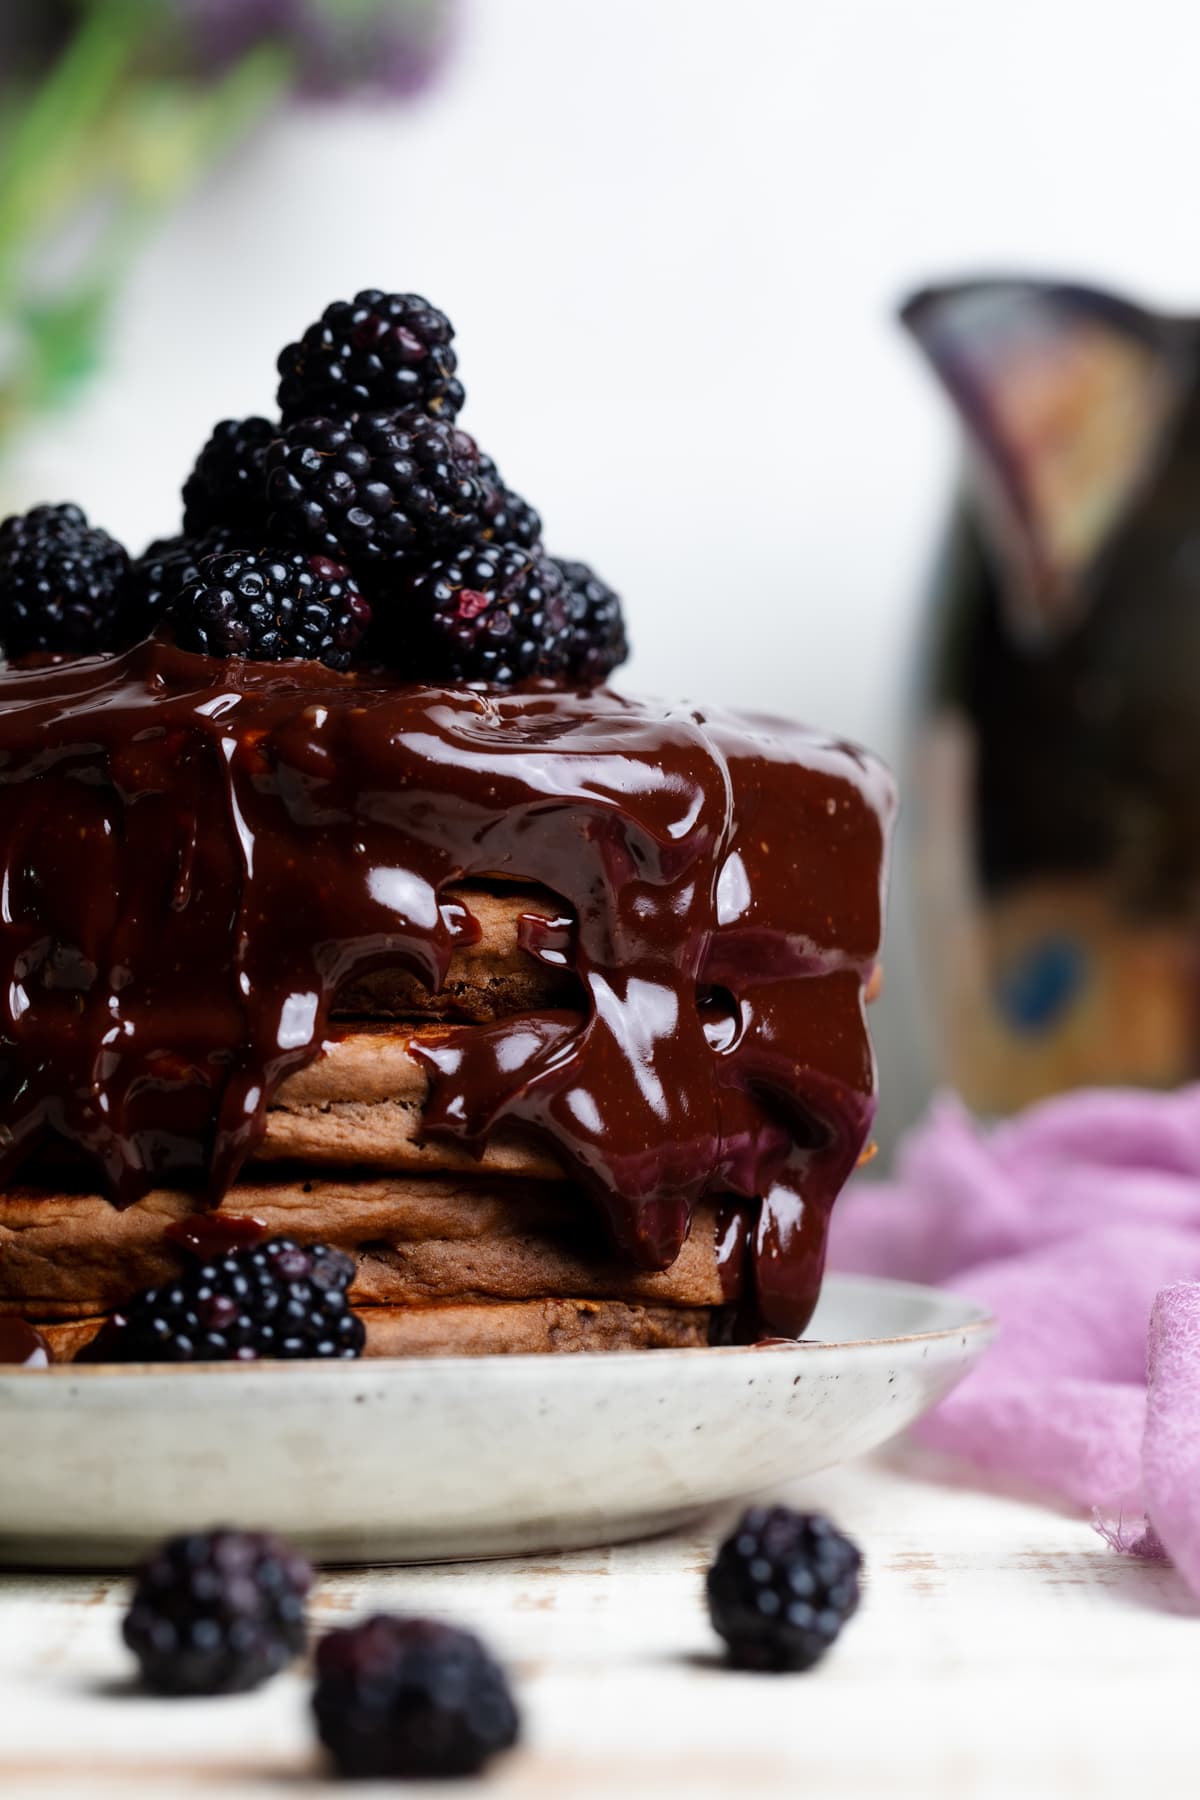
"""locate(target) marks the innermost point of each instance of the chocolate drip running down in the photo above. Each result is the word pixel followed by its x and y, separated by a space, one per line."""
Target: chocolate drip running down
pixel 196 855
pixel 22 1346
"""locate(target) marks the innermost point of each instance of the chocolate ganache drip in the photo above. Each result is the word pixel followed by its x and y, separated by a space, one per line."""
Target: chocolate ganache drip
pixel 196 855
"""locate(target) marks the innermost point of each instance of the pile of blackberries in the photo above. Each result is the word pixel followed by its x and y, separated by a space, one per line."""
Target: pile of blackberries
pixel 362 527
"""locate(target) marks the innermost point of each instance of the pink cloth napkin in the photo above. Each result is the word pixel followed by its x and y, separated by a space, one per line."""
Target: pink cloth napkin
pixel 1078 1223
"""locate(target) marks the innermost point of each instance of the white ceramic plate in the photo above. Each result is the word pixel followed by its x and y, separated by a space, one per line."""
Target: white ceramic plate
pixel 459 1456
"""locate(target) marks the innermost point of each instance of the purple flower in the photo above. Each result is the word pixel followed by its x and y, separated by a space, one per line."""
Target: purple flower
pixel 387 47
pixel 222 31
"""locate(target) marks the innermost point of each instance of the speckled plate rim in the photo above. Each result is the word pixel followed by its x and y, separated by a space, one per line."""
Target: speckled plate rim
pixel 966 1319
pixel 413 1459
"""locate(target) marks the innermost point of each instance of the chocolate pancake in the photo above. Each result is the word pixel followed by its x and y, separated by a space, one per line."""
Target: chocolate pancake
pixel 362 1103
pixel 484 980
pixel 520 996
pixel 415 1240
pixel 530 1327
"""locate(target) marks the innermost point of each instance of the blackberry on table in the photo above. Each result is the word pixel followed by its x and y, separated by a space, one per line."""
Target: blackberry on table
pixel 276 1300
pixel 217 1612
pixel 271 604
pixel 782 1586
pixel 490 612
pixel 375 351
pixel 378 492
pixel 399 1698
pixel 598 641
pixel 507 518
pixel 226 486
pixel 61 584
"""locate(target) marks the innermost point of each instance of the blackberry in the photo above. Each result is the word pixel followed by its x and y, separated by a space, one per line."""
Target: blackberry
pixel 507 518
pixel 490 612
pixel 276 1300
pixel 781 1588
pixel 271 604
pixel 61 584
pixel 164 569
pixel 377 492
pixel 226 486
pixel 217 1612
pixel 598 642
pixel 410 1697
pixel 377 351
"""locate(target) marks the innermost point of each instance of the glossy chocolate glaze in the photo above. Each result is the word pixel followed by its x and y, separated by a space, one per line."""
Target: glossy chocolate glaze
pixel 215 1234
pixel 22 1345
pixel 195 856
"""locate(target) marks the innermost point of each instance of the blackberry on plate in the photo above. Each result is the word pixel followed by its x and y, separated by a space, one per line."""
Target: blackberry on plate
pixel 782 1586
pixel 271 604
pixel 598 642
pixel 61 583
pixel 277 1300
pixel 490 612
pixel 217 1612
pixel 410 1697
pixel 377 492
pixel 375 351
pixel 507 518
pixel 226 486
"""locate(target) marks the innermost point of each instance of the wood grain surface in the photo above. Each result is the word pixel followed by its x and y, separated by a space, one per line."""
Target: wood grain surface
pixel 1002 1650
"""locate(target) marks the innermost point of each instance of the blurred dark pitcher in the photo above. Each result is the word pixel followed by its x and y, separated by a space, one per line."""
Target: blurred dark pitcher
pixel 1054 794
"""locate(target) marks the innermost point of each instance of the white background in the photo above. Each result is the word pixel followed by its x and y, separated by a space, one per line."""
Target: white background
pixel 672 234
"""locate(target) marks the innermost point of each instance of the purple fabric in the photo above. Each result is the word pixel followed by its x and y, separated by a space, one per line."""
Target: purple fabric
pixel 1078 1223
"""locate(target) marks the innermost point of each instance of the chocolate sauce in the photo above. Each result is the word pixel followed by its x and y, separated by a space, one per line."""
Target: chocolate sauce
pixel 733 1247
pixel 196 855
pixel 551 941
pixel 215 1234
pixel 22 1345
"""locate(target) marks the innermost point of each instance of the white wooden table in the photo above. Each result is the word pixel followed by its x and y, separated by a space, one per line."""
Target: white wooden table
pixel 1001 1651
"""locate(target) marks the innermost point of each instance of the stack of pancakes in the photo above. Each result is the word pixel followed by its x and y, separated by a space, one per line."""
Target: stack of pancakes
pixel 455 1255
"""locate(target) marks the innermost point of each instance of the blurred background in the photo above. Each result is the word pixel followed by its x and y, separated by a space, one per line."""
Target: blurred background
pixel 673 236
